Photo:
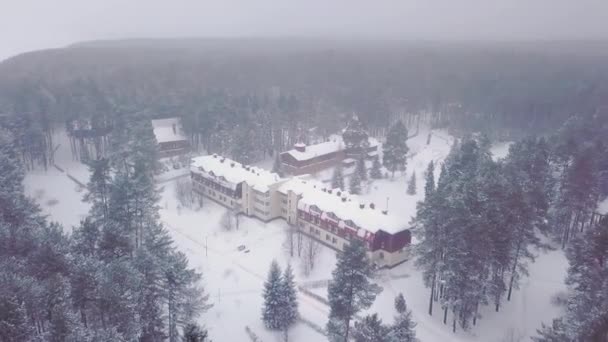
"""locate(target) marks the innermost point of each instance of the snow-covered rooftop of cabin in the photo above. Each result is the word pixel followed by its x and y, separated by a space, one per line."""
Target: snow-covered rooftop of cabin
pixel 334 144
pixel 164 132
pixel 602 207
pixel 234 172
pixel 313 193
pixel 316 150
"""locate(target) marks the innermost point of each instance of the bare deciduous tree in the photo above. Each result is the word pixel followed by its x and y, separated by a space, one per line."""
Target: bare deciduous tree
pixel 311 251
pixel 227 220
pixel 183 192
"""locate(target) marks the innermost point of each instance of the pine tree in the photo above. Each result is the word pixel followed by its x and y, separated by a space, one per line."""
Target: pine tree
pixel 361 169
pixel 98 188
pixel 411 185
pixel 403 328
pixel 555 333
pixel 289 313
pixel 376 172
pixel 354 183
pixel 371 329
pixel 337 181
pixel 395 148
pixel 194 333
pixel 354 136
pixel 273 298
pixel 184 299
pixel 431 221
pixel 429 180
pixel 350 290
pixel 277 167
pixel 14 324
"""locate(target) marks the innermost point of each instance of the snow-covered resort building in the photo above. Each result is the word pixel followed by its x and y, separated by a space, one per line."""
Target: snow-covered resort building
pixel 354 143
pixel 170 137
pixel 331 216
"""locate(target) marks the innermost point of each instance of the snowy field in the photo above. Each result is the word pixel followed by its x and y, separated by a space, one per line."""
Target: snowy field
pixel 59 196
pixel 234 279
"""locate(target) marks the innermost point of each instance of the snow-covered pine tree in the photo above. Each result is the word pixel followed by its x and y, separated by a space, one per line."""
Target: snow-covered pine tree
pixel 350 290
pixel 289 313
pixel 411 185
pixel 273 298
pixel 98 188
pixel 354 136
pixel 453 213
pixel 403 329
pixel 361 169
pixel 337 181
pixel 277 166
pixel 194 333
pixel 555 333
pixel 429 179
pixel 371 329
pixel 578 195
pixel 184 299
pixel 376 172
pixel 587 310
pixel 354 183
pixel 14 323
pixel 431 221
pixel 395 148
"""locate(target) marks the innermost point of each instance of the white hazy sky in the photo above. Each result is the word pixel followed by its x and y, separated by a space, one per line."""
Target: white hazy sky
pixel 27 25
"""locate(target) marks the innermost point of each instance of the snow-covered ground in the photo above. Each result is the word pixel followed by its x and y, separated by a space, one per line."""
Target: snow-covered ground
pixel 59 196
pixel 234 279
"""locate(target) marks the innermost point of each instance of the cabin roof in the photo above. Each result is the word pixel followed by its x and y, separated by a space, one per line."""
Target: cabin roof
pixel 345 206
pixel 234 172
pixel 163 130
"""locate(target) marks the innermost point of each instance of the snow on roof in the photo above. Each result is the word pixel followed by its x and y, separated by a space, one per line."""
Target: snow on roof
pixel 602 207
pixel 234 172
pixel 316 150
pixel 373 142
pixel 168 130
pixel 345 206
pixel 335 144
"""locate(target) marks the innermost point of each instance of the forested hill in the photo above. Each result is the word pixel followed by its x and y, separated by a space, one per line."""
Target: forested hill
pixel 502 88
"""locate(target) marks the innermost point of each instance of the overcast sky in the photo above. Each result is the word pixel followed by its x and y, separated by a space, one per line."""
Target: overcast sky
pixel 27 25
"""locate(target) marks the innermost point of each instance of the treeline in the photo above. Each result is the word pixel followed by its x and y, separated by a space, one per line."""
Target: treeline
pixel 116 277
pixel 505 89
pixel 481 221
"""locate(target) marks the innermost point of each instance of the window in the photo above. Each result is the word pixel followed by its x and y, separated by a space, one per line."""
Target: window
pixel 327 237
pixel 284 201
pixel 381 256
pixel 333 240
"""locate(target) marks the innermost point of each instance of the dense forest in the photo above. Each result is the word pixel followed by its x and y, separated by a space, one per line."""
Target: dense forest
pixel 230 89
